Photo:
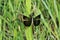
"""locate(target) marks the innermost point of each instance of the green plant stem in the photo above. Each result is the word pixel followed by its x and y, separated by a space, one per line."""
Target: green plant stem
pixel 28 33
pixel 0 29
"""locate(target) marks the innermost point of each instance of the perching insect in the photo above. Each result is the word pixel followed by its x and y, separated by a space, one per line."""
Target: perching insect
pixel 27 21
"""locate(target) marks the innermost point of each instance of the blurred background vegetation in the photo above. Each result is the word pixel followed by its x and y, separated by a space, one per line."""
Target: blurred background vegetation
pixel 11 28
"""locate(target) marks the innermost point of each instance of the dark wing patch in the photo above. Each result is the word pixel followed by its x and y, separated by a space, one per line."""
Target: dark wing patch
pixel 36 20
pixel 26 21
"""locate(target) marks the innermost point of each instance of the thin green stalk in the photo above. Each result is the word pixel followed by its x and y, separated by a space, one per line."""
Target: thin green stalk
pixel 15 34
pixel 10 6
pixel 56 10
pixel 28 7
pixel 0 29
pixel 28 32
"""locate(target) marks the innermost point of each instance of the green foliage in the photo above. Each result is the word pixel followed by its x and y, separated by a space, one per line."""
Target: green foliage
pixel 12 27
